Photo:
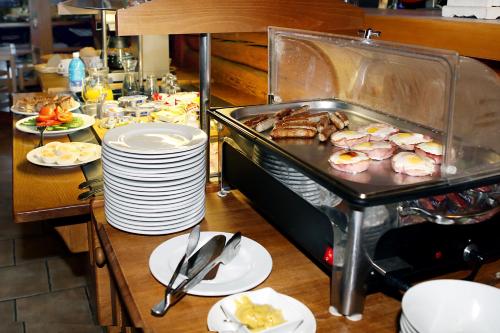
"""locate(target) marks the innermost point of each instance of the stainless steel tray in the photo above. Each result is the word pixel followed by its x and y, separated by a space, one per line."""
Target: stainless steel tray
pixel 378 185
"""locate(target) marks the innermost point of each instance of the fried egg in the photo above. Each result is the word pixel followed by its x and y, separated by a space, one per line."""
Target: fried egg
pixel 67 159
pixel 378 131
pixel 376 150
pixel 407 141
pixel 413 164
pixel 48 156
pixel 348 138
pixel 431 147
pixel 349 161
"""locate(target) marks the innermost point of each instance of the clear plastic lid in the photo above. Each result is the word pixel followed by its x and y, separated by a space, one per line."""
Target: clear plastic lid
pixel 456 97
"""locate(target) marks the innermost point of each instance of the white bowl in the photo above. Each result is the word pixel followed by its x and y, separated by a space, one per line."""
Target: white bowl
pixel 447 306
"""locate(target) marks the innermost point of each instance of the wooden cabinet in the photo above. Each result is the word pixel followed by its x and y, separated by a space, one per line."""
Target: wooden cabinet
pixel 47 34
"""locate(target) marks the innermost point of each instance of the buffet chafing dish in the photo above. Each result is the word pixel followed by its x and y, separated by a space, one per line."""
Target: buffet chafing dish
pixel 453 99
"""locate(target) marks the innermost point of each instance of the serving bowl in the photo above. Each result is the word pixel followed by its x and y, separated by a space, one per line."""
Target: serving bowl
pixel 447 306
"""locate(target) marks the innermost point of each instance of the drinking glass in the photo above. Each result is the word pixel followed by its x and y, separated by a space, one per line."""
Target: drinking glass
pixel 151 86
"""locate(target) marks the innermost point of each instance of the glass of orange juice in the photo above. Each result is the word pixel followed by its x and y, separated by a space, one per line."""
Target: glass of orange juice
pixel 95 85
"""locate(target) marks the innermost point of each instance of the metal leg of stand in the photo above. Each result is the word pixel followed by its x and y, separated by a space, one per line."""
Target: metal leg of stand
pixel 104 32
pixel 349 272
pixel 205 93
pixel 223 188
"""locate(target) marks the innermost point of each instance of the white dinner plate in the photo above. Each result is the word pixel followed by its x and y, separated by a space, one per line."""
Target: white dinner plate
pixel 156 211
pixel 167 226
pixel 166 218
pixel 143 184
pixel 137 163
pixel 152 158
pixel 16 110
pixel 138 201
pixel 87 122
pixel 155 138
pixel 179 186
pixel 292 309
pixel 251 266
pixel 32 157
pixel 162 169
pixel 155 194
pixel 155 219
pixel 173 173
pixel 163 231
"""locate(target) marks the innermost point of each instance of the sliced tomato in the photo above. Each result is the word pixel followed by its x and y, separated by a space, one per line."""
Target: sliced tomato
pixel 44 118
pixel 50 122
pixel 47 111
pixel 65 117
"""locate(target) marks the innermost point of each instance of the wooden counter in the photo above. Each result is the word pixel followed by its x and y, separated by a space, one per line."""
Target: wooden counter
pixel 41 193
pixel 293 274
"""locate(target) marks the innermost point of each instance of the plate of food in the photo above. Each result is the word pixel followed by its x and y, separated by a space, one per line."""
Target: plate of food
pixel 262 310
pixel 56 120
pixel 62 155
pixel 32 104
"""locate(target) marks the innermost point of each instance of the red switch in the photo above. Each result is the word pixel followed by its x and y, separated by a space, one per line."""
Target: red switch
pixel 438 255
pixel 328 256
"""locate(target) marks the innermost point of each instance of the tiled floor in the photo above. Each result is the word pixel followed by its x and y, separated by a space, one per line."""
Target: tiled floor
pixel 42 286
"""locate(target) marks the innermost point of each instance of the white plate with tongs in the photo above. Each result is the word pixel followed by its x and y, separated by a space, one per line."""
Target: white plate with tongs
pixel 251 266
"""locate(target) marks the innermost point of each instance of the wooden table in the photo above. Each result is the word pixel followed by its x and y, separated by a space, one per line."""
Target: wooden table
pixel 41 193
pixel 293 274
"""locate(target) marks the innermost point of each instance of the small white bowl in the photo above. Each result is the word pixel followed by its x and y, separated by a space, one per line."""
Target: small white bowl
pixel 446 306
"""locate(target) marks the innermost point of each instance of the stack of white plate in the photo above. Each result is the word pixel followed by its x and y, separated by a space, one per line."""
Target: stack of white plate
pixel 154 177
pixel 294 179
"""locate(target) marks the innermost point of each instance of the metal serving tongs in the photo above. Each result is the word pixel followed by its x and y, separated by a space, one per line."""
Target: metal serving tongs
pixel 228 253
pixel 96 186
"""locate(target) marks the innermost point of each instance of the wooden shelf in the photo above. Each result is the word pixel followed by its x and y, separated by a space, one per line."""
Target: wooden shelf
pixel 469 37
pixel 67 23
pixel 217 16
pixel 12 25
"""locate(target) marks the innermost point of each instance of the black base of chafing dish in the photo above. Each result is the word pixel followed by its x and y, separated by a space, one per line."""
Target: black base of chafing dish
pixel 411 253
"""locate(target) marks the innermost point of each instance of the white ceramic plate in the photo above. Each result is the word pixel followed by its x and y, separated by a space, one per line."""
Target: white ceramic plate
pixel 162 231
pixel 156 222
pixel 292 309
pixel 16 110
pixel 87 122
pixel 251 266
pixel 147 184
pixel 32 157
pixel 155 194
pixel 162 169
pixel 176 187
pixel 142 163
pixel 154 158
pixel 155 138
pixel 156 211
pixel 196 169
pixel 196 216
pixel 138 201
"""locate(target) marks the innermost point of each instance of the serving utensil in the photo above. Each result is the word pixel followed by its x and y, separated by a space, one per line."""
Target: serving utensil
pixel 89 182
pixel 40 129
pixel 228 253
pixel 92 192
pixel 209 252
pixel 193 239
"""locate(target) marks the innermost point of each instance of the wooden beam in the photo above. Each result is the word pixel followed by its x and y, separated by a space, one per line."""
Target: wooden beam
pixel 472 38
pixel 41 26
pixel 216 16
